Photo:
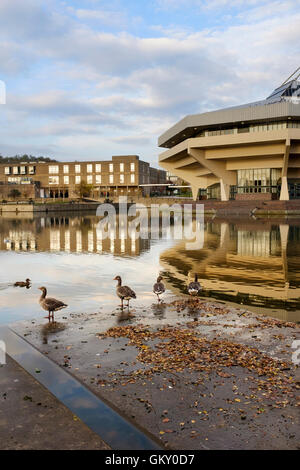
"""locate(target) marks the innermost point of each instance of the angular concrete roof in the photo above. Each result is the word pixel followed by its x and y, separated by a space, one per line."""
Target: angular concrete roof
pixel 283 103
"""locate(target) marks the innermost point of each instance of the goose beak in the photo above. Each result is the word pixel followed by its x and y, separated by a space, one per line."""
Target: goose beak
pixel 115 279
pixel 40 288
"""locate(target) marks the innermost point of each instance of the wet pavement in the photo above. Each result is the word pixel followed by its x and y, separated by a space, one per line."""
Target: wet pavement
pixel 195 374
pixel 31 418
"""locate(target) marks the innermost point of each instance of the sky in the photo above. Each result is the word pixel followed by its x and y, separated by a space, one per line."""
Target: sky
pixel 88 79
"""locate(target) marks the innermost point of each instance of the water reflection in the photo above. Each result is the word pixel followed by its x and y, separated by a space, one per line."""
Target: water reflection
pixel 159 309
pixel 50 329
pixel 71 234
pixel 250 262
pixel 125 315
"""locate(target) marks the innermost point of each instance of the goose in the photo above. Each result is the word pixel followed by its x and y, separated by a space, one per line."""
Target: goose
pixel 22 283
pixel 49 304
pixel 159 287
pixel 194 287
pixel 124 292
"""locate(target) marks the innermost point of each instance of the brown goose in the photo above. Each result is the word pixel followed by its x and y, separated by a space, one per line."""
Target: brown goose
pixel 49 304
pixel 124 292
pixel 159 287
pixel 194 287
pixel 22 283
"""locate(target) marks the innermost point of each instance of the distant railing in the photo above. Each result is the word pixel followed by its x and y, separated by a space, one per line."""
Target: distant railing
pixel 257 189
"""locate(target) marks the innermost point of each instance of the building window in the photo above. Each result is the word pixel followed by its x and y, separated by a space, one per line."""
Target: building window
pixel 31 170
pixel 53 179
pixel 77 179
pixel 132 166
pixel 121 167
pixel 23 170
pixel 15 170
pixel 293 124
pixel 111 178
pixel 98 179
pixel 66 168
pixel 53 169
pixel 220 132
pixel 98 167
pixel 268 127
pixel 132 178
pixel 111 167
pixel 258 180
pixel 90 179
pixel 7 170
pixel 66 180
pixel 89 168
pixel 121 178
pixel 77 169
pixel 14 179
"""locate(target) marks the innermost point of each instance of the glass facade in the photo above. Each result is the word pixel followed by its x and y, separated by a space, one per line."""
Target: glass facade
pixel 271 126
pixel 293 124
pixel 258 180
pixel 289 91
pixel 220 132
pixel 214 191
pixel 294 189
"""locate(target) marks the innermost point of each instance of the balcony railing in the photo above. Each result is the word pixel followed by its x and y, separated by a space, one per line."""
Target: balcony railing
pixel 257 189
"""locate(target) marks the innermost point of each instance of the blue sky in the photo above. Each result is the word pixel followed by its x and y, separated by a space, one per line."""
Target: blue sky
pixel 93 78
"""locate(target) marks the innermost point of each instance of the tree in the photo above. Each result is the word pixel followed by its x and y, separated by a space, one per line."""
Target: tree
pixel 25 158
pixel 83 189
pixel 14 193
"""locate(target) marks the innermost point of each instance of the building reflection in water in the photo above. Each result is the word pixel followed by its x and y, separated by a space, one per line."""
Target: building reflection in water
pixel 250 262
pixel 69 234
pixel 255 263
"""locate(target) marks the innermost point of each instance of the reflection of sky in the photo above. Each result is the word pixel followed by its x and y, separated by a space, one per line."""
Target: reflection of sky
pixel 84 281
pixel 117 432
pixel 235 260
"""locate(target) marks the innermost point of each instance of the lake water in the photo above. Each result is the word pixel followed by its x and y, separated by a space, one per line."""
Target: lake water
pixel 255 263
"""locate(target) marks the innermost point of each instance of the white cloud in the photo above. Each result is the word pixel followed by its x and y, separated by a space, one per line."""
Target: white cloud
pixel 81 89
pixel 108 17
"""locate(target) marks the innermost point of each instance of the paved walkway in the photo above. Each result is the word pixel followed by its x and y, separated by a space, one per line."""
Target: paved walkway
pixel 32 418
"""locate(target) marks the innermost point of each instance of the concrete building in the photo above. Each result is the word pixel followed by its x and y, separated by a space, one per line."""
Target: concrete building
pixel 244 152
pixel 122 175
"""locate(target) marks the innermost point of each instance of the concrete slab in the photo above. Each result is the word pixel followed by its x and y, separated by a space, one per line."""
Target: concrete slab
pixel 31 418
pixel 233 406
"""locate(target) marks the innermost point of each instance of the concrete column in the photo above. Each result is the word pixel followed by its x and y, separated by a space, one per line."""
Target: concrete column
pixel 225 190
pixel 195 191
pixel 224 236
pixel 284 236
pixel 284 193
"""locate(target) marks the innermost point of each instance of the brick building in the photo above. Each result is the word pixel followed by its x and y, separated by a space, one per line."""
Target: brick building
pixel 122 175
